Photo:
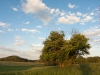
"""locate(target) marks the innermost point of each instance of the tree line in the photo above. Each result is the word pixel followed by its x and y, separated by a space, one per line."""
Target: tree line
pixel 81 60
pixel 61 51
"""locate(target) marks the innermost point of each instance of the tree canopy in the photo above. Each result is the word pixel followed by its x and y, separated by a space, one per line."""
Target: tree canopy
pixel 76 46
pixel 59 50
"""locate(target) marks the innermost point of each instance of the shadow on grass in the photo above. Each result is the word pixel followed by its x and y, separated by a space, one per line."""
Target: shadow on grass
pixel 85 69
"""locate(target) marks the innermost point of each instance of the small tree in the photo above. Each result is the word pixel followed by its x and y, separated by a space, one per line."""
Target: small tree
pixel 76 46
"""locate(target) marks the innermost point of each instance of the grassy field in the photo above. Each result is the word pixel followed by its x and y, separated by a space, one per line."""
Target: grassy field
pixel 29 68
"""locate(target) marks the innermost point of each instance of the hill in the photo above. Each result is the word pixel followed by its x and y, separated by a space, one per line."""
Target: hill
pixel 15 58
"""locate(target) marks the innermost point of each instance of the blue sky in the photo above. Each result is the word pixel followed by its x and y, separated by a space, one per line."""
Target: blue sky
pixel 25 24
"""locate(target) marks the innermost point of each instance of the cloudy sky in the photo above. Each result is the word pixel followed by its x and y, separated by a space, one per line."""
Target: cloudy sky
pixel 24 24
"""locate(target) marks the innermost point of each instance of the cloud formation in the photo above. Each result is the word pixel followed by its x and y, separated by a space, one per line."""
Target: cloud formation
pixel 37 45
pixel 15 9
pixel 7 49
pixel 27 22
pixel 41 38
pixel 87 19
pixel 38 8
pixel 18 37
pixel 2 24
pixel 69 19
pixel 37 48
pixel 79 14
pixel 30 30
pixel 72 18
pixel 39 27
pixel 71 6
pixel 19 41
pixel 32 54
pixel 92 32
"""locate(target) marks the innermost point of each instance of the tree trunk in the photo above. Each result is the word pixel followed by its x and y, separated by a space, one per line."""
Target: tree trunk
pixel 70 61
pixel 62 65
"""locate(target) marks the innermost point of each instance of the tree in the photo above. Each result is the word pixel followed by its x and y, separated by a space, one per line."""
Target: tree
pixel 57 49
pixel 76 46
pixel 52 51
pixel 79 60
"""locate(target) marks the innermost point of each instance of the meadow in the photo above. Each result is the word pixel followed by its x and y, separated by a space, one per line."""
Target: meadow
pixel 32 68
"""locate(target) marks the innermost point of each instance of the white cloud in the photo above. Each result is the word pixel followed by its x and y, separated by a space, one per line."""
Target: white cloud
pixel 29 54
pixel 38 8
pixel 18 37
pixel 10 29
pixel 72 18
pixel 62 13
pixel 2 24
pixel 2 31
pixel 99 35
pixel 37 48
pixel 41 38
pixel 19 42
pixel 79 14
pixel 33 6
pixel 37 45
pixel 71 6
pixel 96 40
pixel 57 10
pixel 92 13
pixel 86 19
pixel 27 22
pixel 63 20
pixel 31 30
pixel 39 27
pixel 92 32
pixel 52 11
pixel 15 9
pixel 24 29
pixel 84 15
pixel 69 19
pixel 8 49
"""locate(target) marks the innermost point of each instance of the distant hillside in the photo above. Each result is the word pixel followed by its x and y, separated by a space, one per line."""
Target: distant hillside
pixel 15 58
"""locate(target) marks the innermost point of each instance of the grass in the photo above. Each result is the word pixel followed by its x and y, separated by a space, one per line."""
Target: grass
pixel 39 69
pixel 6 66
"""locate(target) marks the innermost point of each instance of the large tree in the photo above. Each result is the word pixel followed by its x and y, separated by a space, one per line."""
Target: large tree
pixel 57 49
pixel 52 51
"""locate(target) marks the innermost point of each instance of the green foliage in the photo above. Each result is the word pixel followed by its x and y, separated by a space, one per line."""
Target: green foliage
pixel 53 47
pixel 80 60
pixel 76 46
pixel 57 49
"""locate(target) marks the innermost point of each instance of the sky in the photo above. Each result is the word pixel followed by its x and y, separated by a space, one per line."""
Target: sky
pixel 25 24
